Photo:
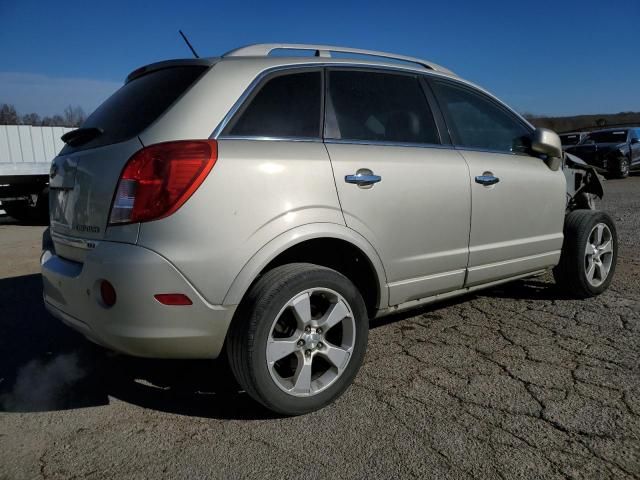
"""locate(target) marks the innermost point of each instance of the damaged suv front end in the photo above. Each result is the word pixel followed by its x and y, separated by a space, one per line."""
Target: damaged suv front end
pixel 584 184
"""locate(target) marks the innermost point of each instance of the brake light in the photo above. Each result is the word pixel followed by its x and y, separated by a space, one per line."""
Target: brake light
pixel 159 179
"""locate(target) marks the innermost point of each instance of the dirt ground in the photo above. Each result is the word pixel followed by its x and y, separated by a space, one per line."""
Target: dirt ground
pixel 513 382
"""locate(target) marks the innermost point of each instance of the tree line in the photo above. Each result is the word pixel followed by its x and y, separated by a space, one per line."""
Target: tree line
pixel 74 116
pixel 71 117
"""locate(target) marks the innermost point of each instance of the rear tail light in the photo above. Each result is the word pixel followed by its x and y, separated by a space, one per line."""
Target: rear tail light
pixel 159 179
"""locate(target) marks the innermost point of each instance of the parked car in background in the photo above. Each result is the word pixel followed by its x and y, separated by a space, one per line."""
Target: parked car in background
pixel 572 138
pixel 614 150
pixel 273 205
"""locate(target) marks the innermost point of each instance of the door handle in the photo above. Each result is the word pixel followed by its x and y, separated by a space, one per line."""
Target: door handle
pixel 487 179
pixel 363 178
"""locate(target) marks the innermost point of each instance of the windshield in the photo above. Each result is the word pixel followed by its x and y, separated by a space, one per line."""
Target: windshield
pixel 610 136
pixel 570 139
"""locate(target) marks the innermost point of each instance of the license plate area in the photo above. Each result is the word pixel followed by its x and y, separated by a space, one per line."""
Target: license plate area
pixel 63 173
pixel 60 217
pixel 62 180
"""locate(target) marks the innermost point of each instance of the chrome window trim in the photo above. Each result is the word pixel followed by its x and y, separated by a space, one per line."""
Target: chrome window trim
pixel 298 66
pixel 270 139
pixel 342 141
pixel 216 134
pixel 489 150
pixel 382 143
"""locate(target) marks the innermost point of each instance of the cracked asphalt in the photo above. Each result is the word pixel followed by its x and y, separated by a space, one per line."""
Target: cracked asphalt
pixel 513 382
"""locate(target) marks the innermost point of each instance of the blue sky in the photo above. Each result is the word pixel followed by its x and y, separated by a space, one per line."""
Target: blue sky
pixel 545 57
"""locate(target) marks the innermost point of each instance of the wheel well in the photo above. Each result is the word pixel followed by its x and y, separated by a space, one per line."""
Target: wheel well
pixel 338 255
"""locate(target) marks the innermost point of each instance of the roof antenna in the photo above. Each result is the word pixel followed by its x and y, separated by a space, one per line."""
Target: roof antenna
pixel 186 40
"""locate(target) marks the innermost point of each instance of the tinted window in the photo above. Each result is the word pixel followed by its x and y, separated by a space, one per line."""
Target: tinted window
pixel 380 107
pixel 137 104
pixel 477 122
pixel 286 106
pixel 607 136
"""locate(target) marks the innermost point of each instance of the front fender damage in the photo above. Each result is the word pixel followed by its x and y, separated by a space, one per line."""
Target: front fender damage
pixel 582 181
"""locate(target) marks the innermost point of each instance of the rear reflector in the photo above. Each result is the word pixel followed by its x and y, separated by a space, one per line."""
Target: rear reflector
pixel 159 179
pixel 108 293
pixel 173 299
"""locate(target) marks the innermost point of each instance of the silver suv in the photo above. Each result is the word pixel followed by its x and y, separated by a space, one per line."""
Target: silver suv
pixel 270 206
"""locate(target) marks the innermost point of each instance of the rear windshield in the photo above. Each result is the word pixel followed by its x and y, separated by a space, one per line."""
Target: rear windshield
pixel 137 104
pixel 611 136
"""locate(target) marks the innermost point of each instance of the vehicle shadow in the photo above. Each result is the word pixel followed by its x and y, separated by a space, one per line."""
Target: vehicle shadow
pixel 526 289
pixel 46 366
pixel 7 220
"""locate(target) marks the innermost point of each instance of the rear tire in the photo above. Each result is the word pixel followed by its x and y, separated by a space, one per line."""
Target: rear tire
pixel 298 338
pixel 589 254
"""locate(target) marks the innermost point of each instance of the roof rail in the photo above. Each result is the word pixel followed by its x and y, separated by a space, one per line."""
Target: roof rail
pixel 264 49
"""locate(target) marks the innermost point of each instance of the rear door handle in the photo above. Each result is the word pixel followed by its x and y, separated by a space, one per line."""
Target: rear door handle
pixel 487 179
pixel 363 178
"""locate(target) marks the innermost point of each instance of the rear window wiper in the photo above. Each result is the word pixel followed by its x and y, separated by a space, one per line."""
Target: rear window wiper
pixel 81 135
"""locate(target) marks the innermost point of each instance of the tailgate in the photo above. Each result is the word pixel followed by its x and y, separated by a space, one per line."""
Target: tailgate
pixel 81 189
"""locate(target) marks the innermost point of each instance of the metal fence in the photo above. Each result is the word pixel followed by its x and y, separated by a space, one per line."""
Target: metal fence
pixel 28 150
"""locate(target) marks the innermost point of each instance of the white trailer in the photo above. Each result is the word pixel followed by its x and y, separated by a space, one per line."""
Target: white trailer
pixel 25 159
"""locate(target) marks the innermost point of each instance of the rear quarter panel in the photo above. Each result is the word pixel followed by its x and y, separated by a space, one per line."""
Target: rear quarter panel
pixel 256 191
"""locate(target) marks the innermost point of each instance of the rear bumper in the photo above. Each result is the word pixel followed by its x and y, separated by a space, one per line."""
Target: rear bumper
pixel 137 324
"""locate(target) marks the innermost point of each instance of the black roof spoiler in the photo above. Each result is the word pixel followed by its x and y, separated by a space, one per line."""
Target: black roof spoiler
pixel 152 67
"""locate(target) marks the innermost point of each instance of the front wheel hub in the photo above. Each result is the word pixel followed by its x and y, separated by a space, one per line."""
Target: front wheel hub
pixel 311 340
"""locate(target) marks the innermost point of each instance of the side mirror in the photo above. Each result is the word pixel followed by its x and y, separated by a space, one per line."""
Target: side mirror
pixel 547 142
pixel 634 140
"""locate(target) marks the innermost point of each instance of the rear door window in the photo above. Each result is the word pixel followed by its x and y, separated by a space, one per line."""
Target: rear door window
pixel 287 105
pixel 374 106
pixel 477 122
pixel 133 107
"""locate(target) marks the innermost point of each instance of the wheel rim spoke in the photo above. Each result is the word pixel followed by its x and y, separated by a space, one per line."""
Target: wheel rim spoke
pixel 277 349
pixel 301 307
pixel 591 269
pixel 599 230
pixel 600 271
pixel 302 377
pixel 338 356
pixel 606 247
pixel 336 313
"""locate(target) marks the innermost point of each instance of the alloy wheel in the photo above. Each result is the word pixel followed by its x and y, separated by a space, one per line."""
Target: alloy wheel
pixel 598 254
pixel 310 342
